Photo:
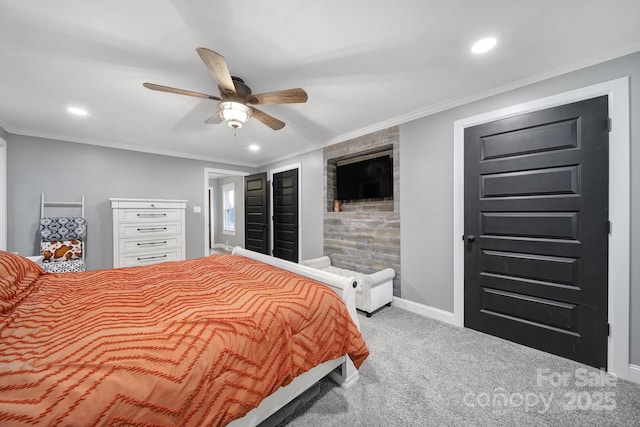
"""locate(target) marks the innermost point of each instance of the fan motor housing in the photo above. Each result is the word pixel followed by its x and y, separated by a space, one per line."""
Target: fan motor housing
pixel 242 90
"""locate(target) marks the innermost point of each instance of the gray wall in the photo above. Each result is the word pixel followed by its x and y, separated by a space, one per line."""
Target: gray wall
pixel 3 189
pixel 65 171
pixel 426 211
pixel 426 158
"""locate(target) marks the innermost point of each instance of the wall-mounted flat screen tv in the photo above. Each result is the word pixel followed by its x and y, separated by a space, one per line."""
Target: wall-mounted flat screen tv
pixel 366 179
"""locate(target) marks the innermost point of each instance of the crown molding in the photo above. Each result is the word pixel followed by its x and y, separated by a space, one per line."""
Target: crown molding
pixel 126 146
pixel 452 103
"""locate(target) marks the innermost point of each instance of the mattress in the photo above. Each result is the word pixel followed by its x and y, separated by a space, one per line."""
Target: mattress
pixel 196 342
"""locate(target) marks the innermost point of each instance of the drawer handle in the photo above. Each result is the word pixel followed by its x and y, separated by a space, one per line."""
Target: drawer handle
pixel 151 215
pixel 151 243
pixel 151 229
pixel 151 258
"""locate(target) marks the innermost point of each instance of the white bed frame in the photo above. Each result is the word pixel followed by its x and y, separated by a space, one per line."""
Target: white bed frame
pixel 341 370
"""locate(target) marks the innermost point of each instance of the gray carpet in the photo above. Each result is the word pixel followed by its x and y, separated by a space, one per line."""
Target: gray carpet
pixel 422 372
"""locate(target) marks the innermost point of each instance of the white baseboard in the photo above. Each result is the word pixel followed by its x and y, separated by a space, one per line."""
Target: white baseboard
pixel 424 310
pixel 634 373
pixel 222 246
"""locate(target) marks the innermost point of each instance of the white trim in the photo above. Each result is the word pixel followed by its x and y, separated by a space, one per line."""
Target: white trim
pixel 424 310
pixel 211 216
pixel 270 174
pixel 3 194
pixel 229 231
pixel 214 173
pixel 619 206
pixel 634 373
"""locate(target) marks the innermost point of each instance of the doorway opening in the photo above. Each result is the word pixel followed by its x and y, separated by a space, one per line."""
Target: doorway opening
pixel 215 236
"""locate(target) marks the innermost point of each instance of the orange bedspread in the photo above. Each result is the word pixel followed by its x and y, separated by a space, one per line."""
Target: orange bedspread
pixel 198 342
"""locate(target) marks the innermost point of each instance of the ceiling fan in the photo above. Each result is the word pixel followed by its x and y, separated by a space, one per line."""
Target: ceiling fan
pixel 236 100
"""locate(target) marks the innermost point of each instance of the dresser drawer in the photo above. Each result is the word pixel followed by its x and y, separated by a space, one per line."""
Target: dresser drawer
pixel 121 204
pixel 148 215
pixel 132 260
pixel 146 245
pixel 141 230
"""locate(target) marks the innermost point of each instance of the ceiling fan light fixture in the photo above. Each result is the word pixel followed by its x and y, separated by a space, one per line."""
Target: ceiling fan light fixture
pixel 234 113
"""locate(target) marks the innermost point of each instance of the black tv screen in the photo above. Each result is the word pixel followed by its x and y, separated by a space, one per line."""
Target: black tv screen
pixel 367 179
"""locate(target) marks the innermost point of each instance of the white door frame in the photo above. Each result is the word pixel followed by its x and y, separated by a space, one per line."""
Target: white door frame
pixel 211 217
pixel 619 207
pixel 214 173
pixel 270 178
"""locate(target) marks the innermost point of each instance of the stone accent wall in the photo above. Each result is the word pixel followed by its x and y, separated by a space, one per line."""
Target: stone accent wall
pixel 365 235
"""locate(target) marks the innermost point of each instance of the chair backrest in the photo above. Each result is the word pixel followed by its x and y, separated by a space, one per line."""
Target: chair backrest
pixel 56 229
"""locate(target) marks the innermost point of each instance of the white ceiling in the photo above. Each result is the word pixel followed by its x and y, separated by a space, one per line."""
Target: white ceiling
pixel 366 64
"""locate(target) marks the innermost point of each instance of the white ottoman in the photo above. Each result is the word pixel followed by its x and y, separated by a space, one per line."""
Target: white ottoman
pixel 375 290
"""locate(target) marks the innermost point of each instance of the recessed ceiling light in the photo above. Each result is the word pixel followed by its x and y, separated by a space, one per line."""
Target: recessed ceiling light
pixel 77 111
pixel 484 45
pixel 254 147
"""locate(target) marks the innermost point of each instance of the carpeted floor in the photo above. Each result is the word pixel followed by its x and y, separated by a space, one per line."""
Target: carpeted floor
pixel 422 372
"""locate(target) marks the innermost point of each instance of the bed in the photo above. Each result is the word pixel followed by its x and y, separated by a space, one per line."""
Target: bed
pixel 219 340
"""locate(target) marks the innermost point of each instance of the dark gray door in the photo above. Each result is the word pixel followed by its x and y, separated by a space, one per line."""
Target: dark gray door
pixel 536 230
pixel 256 217
pixel 285 215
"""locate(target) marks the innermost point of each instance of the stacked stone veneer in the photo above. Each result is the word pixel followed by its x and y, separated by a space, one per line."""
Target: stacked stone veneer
pixel 365 235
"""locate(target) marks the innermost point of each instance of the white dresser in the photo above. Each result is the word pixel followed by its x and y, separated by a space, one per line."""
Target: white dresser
pixel 147 231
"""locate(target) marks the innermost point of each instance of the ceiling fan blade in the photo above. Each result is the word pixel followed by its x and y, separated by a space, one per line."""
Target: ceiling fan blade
pixel 289 96
pixel 214 120
pixel 267 119
pixel 168 89
pixel 218 66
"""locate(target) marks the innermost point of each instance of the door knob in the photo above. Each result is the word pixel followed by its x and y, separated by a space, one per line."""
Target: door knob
pixel 470 238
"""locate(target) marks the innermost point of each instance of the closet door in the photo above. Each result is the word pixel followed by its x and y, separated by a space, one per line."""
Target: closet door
pixel 537 230
pixel 285 215
pixel 256 213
